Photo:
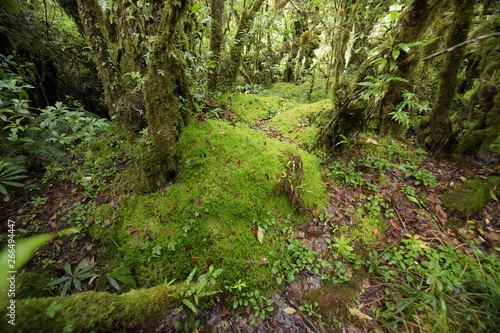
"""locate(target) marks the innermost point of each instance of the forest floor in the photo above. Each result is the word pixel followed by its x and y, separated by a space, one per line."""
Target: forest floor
pixel 420 214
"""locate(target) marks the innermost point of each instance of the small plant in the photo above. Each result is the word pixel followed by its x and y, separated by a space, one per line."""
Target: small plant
pixel 189 294
pixel 345 259
pixel 311 309
pixel 9 174
pixel 257 303
pixel 74 277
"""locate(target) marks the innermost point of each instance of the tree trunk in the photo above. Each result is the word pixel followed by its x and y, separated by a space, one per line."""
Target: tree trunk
pixel 216 38
pixel 229 70
pixel 438 134
pixel 138 53
pixel 167 98
pixel 413 23
pixel 90 311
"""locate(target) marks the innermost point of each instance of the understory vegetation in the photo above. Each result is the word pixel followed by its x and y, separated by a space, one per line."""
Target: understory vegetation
pixel 304 188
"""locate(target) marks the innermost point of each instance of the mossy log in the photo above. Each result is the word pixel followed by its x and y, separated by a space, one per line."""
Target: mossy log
pixel 91 310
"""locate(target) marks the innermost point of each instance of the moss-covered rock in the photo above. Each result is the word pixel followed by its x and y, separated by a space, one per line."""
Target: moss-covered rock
pixel 212 212
pixel 471 196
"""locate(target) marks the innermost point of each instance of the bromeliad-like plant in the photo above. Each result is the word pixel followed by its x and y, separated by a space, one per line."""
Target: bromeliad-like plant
pixel 74 277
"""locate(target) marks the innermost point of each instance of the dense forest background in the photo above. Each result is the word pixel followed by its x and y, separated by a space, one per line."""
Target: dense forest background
pixel 124 104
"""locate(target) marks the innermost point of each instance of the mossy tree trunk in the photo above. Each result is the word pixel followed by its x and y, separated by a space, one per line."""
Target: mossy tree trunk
pixel 298 30
pixel 484 102
pixel 216 38
pixel 167 98
pixel 228 71
pixel 438 136
pixel 413 23
pixel 138 49
pixel 90 311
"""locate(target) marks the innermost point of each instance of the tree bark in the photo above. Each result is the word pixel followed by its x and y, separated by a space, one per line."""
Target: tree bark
pixel 216 38
pixel 413 23
pixel 229 69
pixel 438 136
pixel 138 50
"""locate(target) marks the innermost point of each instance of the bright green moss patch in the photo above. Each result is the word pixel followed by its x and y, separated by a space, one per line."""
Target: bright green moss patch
pixel 252 108
pixel 213 211
pixel 289 91
pixel 364 230
pixel 299 122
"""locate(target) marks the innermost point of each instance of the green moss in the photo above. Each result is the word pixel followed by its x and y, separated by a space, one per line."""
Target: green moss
pixel 299 122
pixel 210 214
pixel 289 91
pixel 471 196
pixel 90 310
pixel 363 230
pixel 334 301
pixel 252 108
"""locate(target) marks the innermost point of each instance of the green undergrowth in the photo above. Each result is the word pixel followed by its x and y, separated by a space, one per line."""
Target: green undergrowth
pixel 222 210
pixel 252 108
pixel 296 93
pixel 300 122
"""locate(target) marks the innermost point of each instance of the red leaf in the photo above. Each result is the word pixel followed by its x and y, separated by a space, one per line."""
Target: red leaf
pixel 189 247
pixel 376 232
pixel 201 121
pixel 228 160
pixel 194 260
pixel 209 262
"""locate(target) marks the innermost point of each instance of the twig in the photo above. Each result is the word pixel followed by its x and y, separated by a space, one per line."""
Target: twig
pixel 495 34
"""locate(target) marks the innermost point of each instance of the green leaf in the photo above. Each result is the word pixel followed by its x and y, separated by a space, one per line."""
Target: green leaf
pixel 57 281
pixel 190 305
pixel 113 282
pixel 196 7
pixel 394 15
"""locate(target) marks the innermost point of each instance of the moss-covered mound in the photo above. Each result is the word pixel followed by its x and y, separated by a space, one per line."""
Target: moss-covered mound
pixel 471 196
pixel 216 211
pixel 299 123
pixel 252 108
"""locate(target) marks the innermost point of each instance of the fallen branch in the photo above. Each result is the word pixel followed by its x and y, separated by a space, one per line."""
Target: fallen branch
pixel 87 311
pixel 495 34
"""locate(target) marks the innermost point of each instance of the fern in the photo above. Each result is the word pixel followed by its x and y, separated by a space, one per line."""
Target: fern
pixel 8 174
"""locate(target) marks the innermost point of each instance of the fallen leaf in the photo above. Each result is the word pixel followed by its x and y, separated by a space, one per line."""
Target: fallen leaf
pixel 201 121
pixel 376 232
pixel 260 234
pixel 289 310
pixel 189 247
pixel 194 260
pixel 172 209
pixel 107 221
pixel 228 160
pixel 262 261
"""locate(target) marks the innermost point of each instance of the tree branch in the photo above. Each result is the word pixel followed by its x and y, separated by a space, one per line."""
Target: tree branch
pixel 495 34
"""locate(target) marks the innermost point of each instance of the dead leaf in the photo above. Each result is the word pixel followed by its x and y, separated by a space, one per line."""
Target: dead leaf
pixel 228 160
pixel 262 261
pixel 376 232
pixel 172 209
pixel 194 260
pixel 201 121
pixel 189 247
pixel 260 234
pixel 289 310
pixel 107 221
pixel 198 201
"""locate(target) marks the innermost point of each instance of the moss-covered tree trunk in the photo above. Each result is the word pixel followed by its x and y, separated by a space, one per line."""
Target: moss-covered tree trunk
pixel 298 30
pixel 137 49
pixel 167 98
pixel 413 22
pixel 229 68
pixel 438 136
pixel 90 311
pixel 216 38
